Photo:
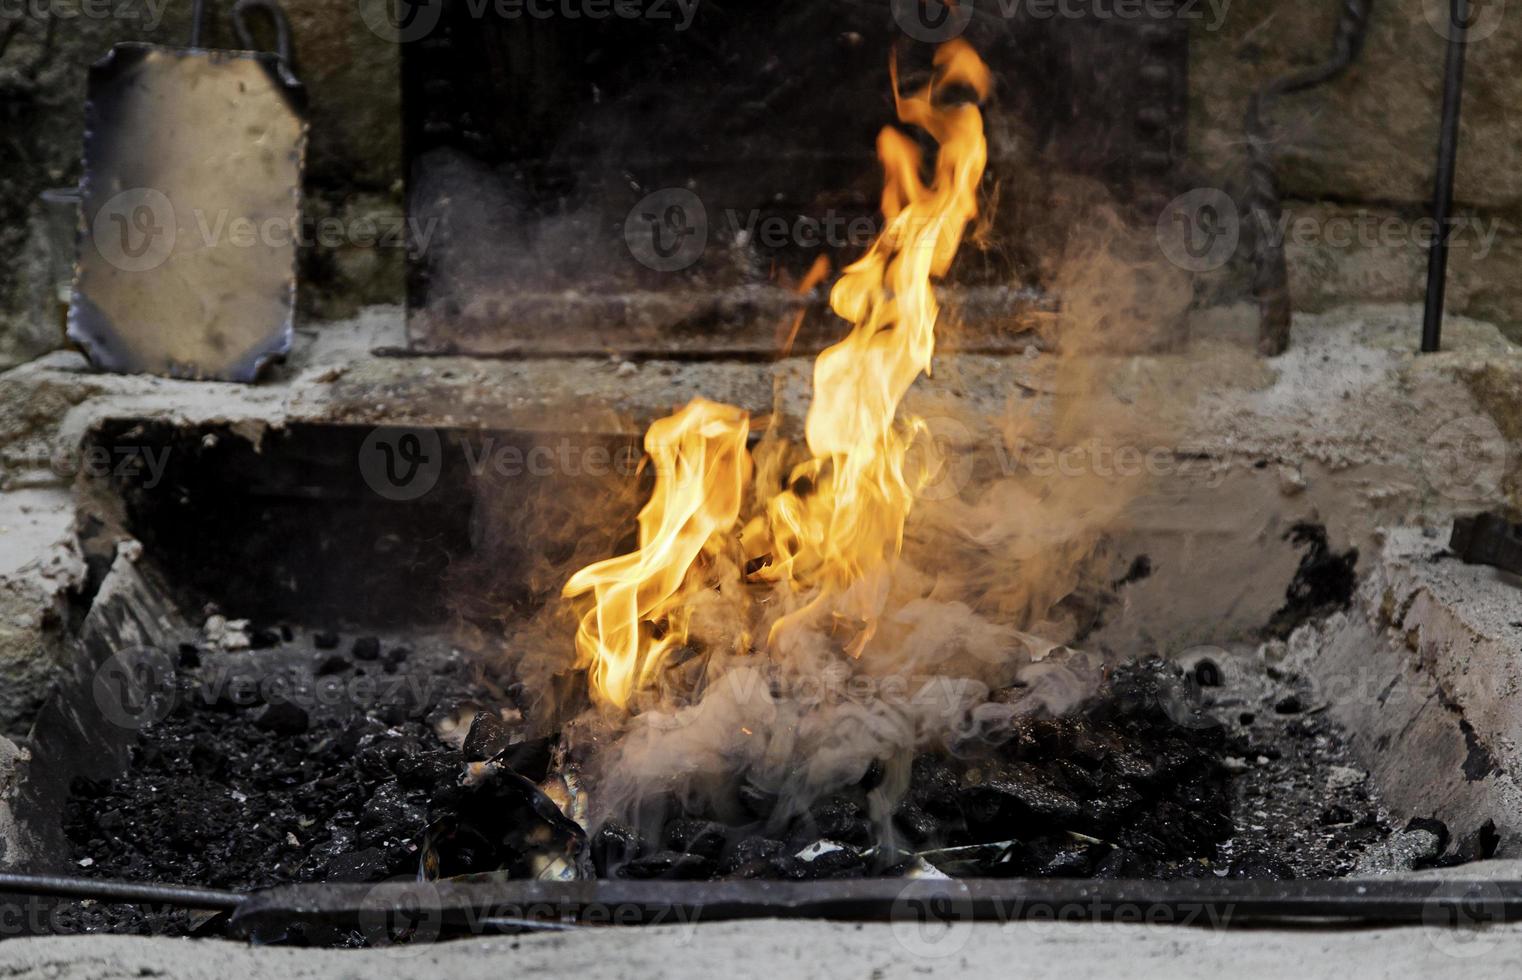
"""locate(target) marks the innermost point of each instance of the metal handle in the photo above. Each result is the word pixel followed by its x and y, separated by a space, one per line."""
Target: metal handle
pixel 276 16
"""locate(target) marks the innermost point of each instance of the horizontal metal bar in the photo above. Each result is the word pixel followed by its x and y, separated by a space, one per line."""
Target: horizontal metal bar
pixel 126 892
pixel 472 906
pixel 487 906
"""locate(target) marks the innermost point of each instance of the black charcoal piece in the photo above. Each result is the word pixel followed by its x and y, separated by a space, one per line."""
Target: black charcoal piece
pixel 488 736
pixel 531 759
pixel 325 640
pixel 367 648
pixel 283 718
pixel 1261 867
pixel 1068 862
pixel 1336 814
pixel 391 812
pixel 917 826
pixel 614 845
pixel 263 639
pixel 335 663
pixel 673 865
pixel 363 866
pixel 703 837
pixel 1477 846
pixel 1432 825
pixel 425 772
pixel 1290 704
pixel 841 819
pixel 1018 790
pixel 750 853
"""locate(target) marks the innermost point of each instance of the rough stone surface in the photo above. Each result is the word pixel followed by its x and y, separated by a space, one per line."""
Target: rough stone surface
pixel 1371 135
pixel 39 564
pixel 1428 666
pixel 766 949
pixel 11 759
pixel 1380 255
pixel 1365 143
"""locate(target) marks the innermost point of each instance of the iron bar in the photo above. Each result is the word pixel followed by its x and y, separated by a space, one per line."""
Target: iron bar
pixel 441 908
pixel 126 892
pixel 1442 193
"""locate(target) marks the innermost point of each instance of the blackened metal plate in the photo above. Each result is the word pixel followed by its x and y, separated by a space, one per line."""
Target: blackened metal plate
pixel 190 218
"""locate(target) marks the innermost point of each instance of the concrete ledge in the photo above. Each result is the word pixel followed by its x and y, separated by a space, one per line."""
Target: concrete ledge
pixel 768 949
pixel 1425 675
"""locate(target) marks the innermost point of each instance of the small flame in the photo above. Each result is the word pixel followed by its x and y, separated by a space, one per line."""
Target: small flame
pixel 834 535
pixel 640 615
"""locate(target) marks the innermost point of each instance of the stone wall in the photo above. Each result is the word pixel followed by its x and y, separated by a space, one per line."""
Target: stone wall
pixel 1355 154
pixel 1355 158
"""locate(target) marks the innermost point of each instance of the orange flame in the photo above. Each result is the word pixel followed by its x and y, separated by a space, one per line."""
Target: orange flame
pixel 639 618
pixel 840 525
pixel 835 533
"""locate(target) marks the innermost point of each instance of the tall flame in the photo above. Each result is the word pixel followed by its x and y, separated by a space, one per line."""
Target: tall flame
pixel 840 524
pixel 834 534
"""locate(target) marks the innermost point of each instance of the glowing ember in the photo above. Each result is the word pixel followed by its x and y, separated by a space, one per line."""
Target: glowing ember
pixel 833 536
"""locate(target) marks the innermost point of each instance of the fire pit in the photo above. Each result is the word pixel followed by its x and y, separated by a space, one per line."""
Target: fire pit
pixel 929 571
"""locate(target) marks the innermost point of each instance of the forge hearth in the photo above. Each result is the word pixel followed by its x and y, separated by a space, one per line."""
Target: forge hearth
pixel 314 742
pixel 863 461
pixel 369 760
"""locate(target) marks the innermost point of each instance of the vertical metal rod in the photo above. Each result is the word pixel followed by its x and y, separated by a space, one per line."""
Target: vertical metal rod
pixel 197 22
pixel 1442 194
